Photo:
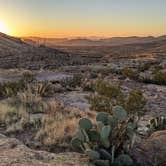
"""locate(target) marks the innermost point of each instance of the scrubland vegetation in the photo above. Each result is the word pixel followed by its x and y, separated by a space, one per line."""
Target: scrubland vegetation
pixel 107 132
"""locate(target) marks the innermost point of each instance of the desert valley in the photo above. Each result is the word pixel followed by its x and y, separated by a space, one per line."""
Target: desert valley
pixel 48 87
pixel 82 83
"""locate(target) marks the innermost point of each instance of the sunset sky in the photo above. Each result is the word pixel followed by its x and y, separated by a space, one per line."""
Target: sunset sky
pixel 67 18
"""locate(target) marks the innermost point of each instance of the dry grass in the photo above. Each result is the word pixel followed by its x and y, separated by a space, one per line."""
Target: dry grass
pixel 57 131
pixel 60 124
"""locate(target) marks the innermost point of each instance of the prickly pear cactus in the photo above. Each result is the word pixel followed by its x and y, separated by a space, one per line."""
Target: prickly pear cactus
pixel 101 141
pixel 85 124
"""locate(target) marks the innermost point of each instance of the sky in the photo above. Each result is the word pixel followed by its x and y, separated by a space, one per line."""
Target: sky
pixel 71 18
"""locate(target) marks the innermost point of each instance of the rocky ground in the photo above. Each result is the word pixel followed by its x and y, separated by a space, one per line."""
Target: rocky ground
pixel 14 153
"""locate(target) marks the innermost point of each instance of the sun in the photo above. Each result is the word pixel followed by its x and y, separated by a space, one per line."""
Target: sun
pixel 3 27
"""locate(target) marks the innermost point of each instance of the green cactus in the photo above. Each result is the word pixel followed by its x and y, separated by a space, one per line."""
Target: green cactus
pixel 102 162
pixel 119 113
pixel 123 160
pixel 102 117
pixel 76 143
pixel 100 125
pixel 94 136
pixel 93 155
pixel 105 133
pixel 85 124
pixel 105 154
pixel 82 135
pixel 112 121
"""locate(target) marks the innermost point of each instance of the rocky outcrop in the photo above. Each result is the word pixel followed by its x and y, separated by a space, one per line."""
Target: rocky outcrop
pixel 13 152
pixel 151 151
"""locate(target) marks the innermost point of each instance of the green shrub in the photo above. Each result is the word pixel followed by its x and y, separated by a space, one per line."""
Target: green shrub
pixel 110 91
pixel 72 82
pixel 110 141
pixel 100 103
pixel 9 89
pixel 136 102
pixel 160 78
pixel 108 95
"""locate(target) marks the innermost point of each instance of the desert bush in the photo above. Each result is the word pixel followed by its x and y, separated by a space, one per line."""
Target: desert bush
pixel 9 89
pixel 106 70
pixel 158 123
pixel 43 89
pixel 108 95
pixel 135 102
pixel 159 78
pixel 108 142
pixel 100 103
pixel 129 73
pixel 72 82
pixel 111 91
pixel 14 119
pixel 27 77
pixel 32 102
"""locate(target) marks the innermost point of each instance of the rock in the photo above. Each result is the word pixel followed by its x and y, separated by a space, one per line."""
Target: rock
pixel 149 150
pixel 13 152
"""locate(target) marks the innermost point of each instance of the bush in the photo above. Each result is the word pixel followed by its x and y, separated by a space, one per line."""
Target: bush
pixel 72 82
pixel 14 119
pixel 160 78
pixel 136 102
pixel 110 141
pixel 110 91
pixel 108 95
pixel 100 103
pixel 129 73
pixel 158 123
pixel 9 89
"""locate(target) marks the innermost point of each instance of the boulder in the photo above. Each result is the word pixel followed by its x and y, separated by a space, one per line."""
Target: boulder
pixel 152 150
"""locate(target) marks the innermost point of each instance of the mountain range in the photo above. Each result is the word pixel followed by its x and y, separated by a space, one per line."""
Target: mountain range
pixel 114 41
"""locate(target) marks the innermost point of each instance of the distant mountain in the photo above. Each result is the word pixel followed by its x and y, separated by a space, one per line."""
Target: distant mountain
pixel 114 41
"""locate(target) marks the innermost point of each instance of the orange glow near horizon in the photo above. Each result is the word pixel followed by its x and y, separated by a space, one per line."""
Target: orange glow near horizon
pixel 82 18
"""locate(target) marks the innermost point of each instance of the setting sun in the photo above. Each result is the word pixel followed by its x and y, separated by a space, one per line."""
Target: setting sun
pixel 3 27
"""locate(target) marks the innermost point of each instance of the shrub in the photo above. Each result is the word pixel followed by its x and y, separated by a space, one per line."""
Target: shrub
pixel 111 91
pixel 129 73
pixel 136 102
pixel 109 95
pixel 43 89
pixel 100 103
pixel 160 78
pixel 109 142
pixel 9 89
pixel 14 119
pixel 72 82
pixel 32 102
pixel 158 123
pixel 28 77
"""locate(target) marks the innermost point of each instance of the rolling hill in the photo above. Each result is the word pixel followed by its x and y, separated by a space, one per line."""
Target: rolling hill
pixel 114 41
pixel 14 53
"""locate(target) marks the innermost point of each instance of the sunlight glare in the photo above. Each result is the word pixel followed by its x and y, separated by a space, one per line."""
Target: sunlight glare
pixel 3 27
